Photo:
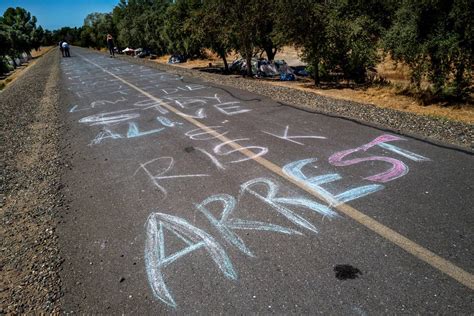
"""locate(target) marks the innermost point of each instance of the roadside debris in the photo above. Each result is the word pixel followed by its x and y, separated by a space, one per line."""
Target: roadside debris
pixel 176 59
pixel 264 68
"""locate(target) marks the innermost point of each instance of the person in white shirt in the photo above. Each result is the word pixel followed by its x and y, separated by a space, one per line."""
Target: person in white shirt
pixel 66 49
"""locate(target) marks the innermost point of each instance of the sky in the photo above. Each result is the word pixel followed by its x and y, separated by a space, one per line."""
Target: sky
pixel 54 14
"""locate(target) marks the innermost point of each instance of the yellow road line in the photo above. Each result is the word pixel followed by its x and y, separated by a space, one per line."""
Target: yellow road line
pixel 401 241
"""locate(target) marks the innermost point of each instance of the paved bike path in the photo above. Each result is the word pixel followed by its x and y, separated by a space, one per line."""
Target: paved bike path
pixel 189 197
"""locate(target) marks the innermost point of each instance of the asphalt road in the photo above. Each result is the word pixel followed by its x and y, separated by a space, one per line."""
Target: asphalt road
pixel 187 197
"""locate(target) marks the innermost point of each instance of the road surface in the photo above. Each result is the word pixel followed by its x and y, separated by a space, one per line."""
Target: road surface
pixel 187 197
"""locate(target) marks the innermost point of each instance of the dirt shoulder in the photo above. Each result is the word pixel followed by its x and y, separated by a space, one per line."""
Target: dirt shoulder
pixel 30 186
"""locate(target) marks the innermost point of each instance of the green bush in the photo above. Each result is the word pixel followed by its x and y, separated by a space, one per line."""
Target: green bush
pixel 5 67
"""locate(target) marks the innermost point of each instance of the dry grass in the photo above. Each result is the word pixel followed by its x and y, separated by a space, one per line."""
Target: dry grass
pixel 394 72
pixel 42 51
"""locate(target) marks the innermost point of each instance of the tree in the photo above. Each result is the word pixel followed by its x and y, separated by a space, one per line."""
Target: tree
pixel 305 23
pixel 22 27
pixel 337 35
pixel 178 38
pixel 6 43
pixel 69 34
pixel 139 23
pixel 354 31
pixel 266 37
pixel 48 38
pixel 209 26
pixel 95 29
pixel 243 20
pixel 37 38
pixel 435 38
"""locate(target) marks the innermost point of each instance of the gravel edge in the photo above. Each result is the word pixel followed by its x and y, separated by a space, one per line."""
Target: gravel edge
pixel 31 189
pixel 437 131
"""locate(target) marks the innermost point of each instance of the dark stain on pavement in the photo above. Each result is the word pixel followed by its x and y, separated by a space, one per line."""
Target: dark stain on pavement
pixel 189 149
pixel 345 271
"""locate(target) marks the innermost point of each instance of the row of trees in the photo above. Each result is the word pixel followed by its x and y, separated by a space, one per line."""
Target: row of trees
pixel 433 37
pixel 19 35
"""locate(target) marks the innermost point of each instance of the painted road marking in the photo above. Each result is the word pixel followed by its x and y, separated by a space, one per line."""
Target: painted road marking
pixel 401 241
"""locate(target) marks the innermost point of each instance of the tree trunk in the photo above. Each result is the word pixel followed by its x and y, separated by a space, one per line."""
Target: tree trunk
pixel 317 80
pixel 226 65
pixel 271 52
pixel 249 63
pixel 459 79
pixel 438 76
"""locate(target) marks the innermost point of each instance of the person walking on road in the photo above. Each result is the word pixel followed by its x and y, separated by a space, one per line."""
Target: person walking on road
pixel 65 46
pixel 110 45
pixel 61 47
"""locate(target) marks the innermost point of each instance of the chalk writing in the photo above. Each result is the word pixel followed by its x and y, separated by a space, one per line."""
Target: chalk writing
pixel 199 114
pixel 167 122
pixel 214 160
pixel 185 102
pixel 261 150
pixel 93 104
pixel 195 239
pixel 104 102
pixel 156 258
pixel 229 108
pixel 104 134
pixel 200 134
pixel 221 211
pixel 278 202
pixel 398 169
pixel 151 104
pixel 225 225
pixel 285 136
pixel 162 165
pixel 167 76
pixel 121 91
pixel 133 131
pixel 403 152
pixel 191 87
pixel 73 109
pixel 109 117
pixel 294 171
